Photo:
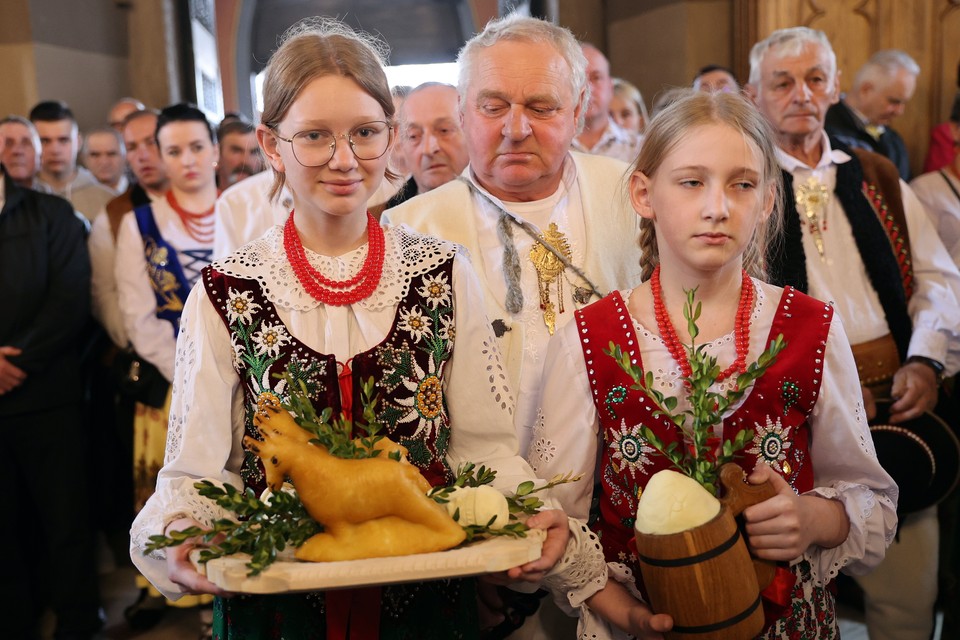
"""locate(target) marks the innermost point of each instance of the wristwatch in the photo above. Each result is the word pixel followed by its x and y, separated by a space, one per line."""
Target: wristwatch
pixel 936 365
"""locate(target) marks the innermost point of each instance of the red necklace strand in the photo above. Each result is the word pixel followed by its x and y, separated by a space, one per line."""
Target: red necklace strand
pixel 336 292
pixel 741 328
pixel 198 225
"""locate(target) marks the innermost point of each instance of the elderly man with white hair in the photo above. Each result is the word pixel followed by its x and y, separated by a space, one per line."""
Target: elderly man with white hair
pixel 845 222
pixel 880 92
pixel 547 229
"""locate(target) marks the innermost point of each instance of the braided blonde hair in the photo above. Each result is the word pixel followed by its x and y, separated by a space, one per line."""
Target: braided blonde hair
pixel 668 128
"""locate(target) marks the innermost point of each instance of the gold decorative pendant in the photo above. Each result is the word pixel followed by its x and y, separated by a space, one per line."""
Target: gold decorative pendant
pixel 549 269
pixel 812 198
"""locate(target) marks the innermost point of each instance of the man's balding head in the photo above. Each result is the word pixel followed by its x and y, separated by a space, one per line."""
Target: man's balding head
pixel 121 109
pixel 883 86
pixel 431 140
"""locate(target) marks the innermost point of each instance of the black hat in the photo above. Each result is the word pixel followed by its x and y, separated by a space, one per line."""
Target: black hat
pixel 922 455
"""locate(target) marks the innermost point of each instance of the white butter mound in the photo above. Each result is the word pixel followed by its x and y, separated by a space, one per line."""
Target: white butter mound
pixel 477 505
pixel 674 502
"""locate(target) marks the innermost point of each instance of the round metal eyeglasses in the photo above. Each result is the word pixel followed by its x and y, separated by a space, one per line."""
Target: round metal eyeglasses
pixel 316 147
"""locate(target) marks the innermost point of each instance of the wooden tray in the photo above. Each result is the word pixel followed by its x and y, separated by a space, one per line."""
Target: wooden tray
pixel 486 556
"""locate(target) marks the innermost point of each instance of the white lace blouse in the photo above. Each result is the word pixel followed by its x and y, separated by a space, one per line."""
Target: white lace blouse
pixel 567 437
pixel 207 413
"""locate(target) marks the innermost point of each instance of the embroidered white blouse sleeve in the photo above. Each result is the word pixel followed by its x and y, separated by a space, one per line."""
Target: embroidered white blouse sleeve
pixel 152 337
pixel 103 282
pixel 846 467
pixel 935 304
pixel 204 437
pixel 566 437
pixel 477 392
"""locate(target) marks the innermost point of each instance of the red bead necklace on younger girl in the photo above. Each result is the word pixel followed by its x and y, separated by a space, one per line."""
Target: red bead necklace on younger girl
pixel 336 292
pixel 741 327
pixel 198 225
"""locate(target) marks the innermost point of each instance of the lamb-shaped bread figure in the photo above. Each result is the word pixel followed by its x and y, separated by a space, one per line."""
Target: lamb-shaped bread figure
pixel 369 508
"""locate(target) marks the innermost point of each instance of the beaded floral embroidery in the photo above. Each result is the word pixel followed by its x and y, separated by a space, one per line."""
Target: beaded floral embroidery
pixel 770 443
pixel 431 331
pixel 629 450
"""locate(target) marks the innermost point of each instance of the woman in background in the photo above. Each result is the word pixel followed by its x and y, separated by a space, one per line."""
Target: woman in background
pixel 627 107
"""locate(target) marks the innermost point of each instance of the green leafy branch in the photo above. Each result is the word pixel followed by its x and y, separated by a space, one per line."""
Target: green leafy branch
pixel 337 434
pixel 263 528
pixel 702 458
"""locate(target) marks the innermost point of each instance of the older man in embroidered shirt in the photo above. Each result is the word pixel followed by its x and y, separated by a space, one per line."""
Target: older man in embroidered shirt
pixel 900 303
pixel 522 95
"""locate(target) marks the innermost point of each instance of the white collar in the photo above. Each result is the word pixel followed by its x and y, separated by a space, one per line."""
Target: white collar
pixel 829 157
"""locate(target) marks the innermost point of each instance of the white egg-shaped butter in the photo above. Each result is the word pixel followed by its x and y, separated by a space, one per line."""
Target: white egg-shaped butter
pixel 674 502
pixel 477 505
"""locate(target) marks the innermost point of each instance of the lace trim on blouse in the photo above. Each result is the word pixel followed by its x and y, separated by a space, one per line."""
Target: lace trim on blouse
pixel 407 255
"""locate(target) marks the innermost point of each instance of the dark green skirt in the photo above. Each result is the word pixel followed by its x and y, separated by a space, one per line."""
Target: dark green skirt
pixel 441 610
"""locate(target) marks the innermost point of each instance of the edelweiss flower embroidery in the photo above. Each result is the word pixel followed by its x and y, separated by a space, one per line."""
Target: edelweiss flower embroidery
pixel 425 404
pixel 238 350
pixel 771 442
pixel 631 449
pixel 436 290
pixel 416 323
pixel 240 306
pixel 447 329
pixel 270 338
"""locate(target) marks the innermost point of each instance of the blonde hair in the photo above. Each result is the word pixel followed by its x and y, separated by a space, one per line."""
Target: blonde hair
pixel 627 91
pixel 318 47
pixel 669 127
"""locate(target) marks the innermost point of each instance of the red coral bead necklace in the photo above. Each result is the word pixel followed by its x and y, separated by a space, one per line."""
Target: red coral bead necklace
pixel 741 327
pixel 327 290
pixel 198 225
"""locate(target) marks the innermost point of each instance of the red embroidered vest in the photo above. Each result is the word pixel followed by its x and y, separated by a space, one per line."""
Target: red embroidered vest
pixel 776 408
pixel 407 366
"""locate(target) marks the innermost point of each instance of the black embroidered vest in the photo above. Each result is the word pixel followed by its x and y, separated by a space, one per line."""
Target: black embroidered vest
pixel 879 235
pixel 407 366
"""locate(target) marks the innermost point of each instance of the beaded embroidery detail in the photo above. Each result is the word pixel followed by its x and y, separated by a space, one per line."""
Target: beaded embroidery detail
pixel 901 249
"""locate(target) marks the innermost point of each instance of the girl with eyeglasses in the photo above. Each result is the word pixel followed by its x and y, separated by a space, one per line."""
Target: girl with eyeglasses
pixel 335 298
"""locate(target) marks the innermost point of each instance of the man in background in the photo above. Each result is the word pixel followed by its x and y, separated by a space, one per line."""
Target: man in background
pixel 121 109
pixel 111 410
pixel 20 151
pixel 431 141
pixel 151 183
pixel 45 279
pixel 59 172
pixel 104 155
pixel 240 155
pixel 897 300
pixel 715 77
pixel 880 92
pixel 600 134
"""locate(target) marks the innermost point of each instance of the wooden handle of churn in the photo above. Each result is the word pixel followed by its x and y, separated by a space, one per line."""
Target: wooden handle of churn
pixel 738 495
